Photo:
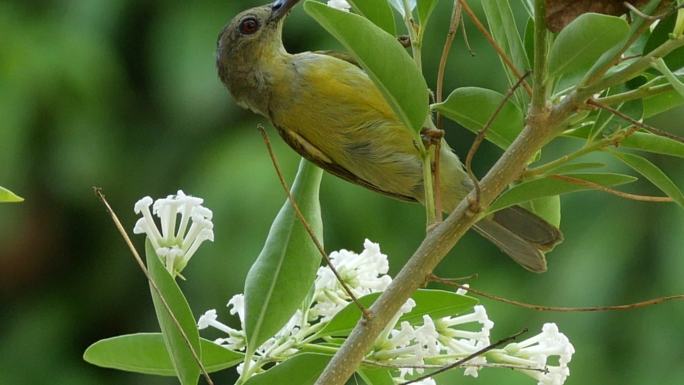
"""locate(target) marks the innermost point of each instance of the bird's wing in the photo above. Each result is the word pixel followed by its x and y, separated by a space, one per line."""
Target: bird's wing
pixel 313 154
pixel 340 55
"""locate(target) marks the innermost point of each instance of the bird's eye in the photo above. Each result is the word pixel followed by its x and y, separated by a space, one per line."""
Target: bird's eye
pixel 249 25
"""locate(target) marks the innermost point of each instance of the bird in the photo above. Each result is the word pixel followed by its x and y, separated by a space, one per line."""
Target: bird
pixel 326 107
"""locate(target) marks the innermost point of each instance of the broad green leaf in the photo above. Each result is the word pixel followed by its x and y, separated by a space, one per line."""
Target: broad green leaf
pixel 660 35
pixel 425 9
pixel 302 369
pixel 653 174
pixel 6 196
pixel 472 107
pixel 376 376
pixel 502 25
pixel 393 72
pixel 568 168
pixel 285 270
pixel 549 208
pixel 581 43
pixel 146 353
pixel 183 360
pixel 436 303
pixel 655 144
pixel 377 11
pixel 550 186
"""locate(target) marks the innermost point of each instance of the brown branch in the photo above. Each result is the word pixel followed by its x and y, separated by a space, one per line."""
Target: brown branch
pixel 494 44
pixel 644 126
pixel 621 194
pixel 561 309
pixel 138 259
pixel 468 358
pixel 451 35
pixel 306 225
pixel 482 134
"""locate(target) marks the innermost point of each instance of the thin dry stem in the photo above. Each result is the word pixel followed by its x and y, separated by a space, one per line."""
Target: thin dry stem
pixel 138 259
pixel 509 63
pixel 451 35
pixel 306 225
pixel 621 194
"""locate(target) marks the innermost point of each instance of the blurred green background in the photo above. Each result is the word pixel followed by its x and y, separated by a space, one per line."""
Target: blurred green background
pixel 124 95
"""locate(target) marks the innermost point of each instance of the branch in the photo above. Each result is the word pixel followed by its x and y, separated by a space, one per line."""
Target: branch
pixel 540 57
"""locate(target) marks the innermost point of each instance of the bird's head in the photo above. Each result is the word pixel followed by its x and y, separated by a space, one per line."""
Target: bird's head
pixel 251 37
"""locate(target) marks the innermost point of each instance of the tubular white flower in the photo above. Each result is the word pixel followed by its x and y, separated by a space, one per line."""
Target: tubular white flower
pixel 236 305
pixel 534 352
pixel 342 5
pixel 175 244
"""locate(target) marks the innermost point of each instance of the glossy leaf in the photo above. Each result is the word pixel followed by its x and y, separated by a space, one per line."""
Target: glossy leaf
pixel 661 34
pixel 549 186
pixel 549 208
pixel 503 28
pixel 146 353
pixel 654 174
pixel 436 303
pixel 655 144
pixel 377 11
pixel 285 270
pixel 472 107
pixel 302 369
pixel 581 43
pixel 376 376
pixel 180 352
pixel 394 72
pixel 6 196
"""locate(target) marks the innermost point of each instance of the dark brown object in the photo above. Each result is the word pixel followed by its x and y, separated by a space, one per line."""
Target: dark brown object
pixel 560 13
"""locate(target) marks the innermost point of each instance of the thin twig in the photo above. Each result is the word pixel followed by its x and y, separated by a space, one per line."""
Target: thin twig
pixel 635 122
pixel 138 259
pixel 494 44
pixel 451 35
pixel 470 357
pixel 562 309
pixel 428 367
pixel 483 132
pixel 639 13
pixel 307 227
pixel 621 194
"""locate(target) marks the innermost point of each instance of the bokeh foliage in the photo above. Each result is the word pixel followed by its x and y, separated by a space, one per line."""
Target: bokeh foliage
pixel 124 95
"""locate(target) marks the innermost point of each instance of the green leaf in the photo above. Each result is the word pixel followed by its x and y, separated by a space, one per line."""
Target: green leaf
pixel 529 40
pixel 425 9
pixel 393 72
pixel 549 208
pixel 581 43
pixel 6 196
pixel 568 168
pixel 302 369
pixel 676 84
pixel 501 21
pixel 653 174
pixel 436 303
pixel 183 360
pixel 376 376
pixel 472 107
pixel 655 144
pixel 549 186
pixel 146 353
pixel 606 122
pixel 654 105
pixel 285 270
pixel 377 11
pixel 660 35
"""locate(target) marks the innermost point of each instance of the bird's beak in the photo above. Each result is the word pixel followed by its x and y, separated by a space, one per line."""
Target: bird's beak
pixel 280 8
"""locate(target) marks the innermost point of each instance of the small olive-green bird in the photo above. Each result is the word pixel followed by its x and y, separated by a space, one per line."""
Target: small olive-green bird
pixel 329 111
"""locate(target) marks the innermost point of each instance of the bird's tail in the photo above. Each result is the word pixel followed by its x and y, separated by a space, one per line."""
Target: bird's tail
pixel 522 235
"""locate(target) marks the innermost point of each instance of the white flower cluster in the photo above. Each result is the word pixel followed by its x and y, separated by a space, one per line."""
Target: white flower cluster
pixel 342 5
pixel 178 240
pixel 411 348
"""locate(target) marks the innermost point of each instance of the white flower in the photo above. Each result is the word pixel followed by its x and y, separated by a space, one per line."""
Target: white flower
pixel 534 352
pixel 236 339
pixel 175 244
pixel 342 5
pixel 462 343
pixel 427 381
pixel 363 273
pixel 463 290
pixel 236 305
pixel 399 6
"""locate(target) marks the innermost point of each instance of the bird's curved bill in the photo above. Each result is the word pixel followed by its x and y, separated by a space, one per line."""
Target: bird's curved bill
pixel 280 8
